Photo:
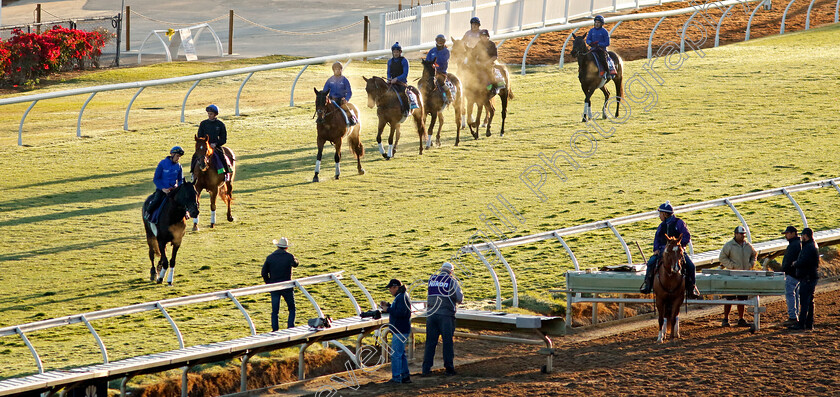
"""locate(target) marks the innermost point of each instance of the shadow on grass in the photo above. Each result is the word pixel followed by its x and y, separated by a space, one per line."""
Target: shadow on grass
pixel 14 256
pixel 108 289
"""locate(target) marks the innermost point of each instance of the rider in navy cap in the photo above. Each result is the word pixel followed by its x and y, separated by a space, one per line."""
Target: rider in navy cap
pixel 598 39
pixel 674 227
pixel 472 36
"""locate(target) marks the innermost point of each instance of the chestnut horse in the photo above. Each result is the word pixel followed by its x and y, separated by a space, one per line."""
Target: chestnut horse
pixel 389 111
pixel 590 80
pixel 476 79
pixel 333 127
pixel 434 103
pixel 171 227
pixel 209 179
pixel 669 288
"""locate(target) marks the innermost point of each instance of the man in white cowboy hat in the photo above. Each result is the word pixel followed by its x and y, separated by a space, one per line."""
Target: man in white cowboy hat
pixel 444 294
pixel 278 268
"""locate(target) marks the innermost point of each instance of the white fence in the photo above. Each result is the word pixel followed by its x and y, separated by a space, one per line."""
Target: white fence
pixel 419 25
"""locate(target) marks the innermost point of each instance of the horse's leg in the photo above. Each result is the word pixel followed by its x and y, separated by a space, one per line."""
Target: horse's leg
pixel 163 264
pixel 431 130
pixel 171 275
pixel 228 197
pixel 504 99
pixel 379 138
pixel 198 190
pixel 152 241
pixel 587 111
pixel 491 111
pixel 606 98
pixel 675 328
pixel 619 92
pixel 420 125
pixel 337 158
pixel 662 330
pixel 470 105
pixel 440 127
pixel 214 191
pixel 320 142
pixel 458 115
pixel 478 110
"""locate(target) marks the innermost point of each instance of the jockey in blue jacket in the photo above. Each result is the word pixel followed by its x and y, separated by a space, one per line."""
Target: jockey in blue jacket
pixel 440 56
pixel 398 74
pixel 673 227
pixel 340 91
pixel 598 39
pixel 168 175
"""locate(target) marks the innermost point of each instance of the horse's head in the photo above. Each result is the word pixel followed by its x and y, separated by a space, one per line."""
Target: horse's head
pixel 428 72
pixel 458 51
pixel 579 45
pixel 375 87
pixel 203 151
pixel 188 198
pixel 322 98
pixel 674 255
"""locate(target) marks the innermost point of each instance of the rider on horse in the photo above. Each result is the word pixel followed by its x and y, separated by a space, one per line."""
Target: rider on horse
pixel 217 133
pixel 674 227
pixel 598 39
pixel 339 88
pixel 488 53
pixel 168 175
pixel 398 78
pixel 473 36
pixel 440 56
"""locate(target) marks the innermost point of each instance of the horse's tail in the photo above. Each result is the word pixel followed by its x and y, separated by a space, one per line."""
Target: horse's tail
pixel 356 143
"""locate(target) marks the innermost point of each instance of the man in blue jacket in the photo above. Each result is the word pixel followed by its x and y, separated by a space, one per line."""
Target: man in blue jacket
pixel 598 39
pixel 674 227
pixel 807 266
pixel 791 282
pixel 399 322
pixel 398 77
pixel 340 92
pixel 444 295
pixel 168 176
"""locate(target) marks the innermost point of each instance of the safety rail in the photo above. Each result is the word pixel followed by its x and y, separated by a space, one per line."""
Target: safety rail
pixel 162 305
pixel 768 248
pixel 139 86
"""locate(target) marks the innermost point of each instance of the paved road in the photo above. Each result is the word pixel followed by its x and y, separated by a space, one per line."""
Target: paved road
pixel 249 40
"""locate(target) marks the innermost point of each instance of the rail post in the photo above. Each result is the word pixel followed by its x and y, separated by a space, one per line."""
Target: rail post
pixel 365 34
pixel 38 18
pixel 230 34
pixel 119 19
pixel 128 28
pixel 784 16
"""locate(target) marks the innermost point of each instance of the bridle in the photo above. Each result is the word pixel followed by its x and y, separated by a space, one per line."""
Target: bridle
pixel 677 250
pixel 208 151
pixel 321 112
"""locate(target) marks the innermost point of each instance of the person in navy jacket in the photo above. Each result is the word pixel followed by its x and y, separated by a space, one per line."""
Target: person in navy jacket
pixel 399 322
pixel 398 75
pixel 340 92
pixel 807 266
pixel 444 294
pixel 598 39
pixel 168 176
pixel 674 227
pixel 440 56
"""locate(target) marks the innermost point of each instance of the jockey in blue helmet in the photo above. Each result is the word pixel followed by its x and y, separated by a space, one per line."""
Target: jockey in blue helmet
pixel 168 175
pixel 598 39
pixel 339 92
pixel 439 54
pixel 215 130
pixel 673 227
pixel 397 76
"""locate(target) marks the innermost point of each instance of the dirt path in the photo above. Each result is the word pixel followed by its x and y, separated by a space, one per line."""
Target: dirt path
pixel 708 360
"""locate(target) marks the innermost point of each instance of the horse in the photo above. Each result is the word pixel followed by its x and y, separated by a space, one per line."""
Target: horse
pixel 208 178
pixel 385 98
pixel 591 81
pixel 333 127
pixel 434 103
pixel 475 90
pixel 669 288
pixel 171 227
pixel 459 57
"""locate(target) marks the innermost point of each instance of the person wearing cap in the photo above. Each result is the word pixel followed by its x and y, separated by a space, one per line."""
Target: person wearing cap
pixel 598 40
pixel 399 322
pixel 440 56
pixel 807 272
pixel 472 36
pixel 737 254
pixel 278 268
pixel 672 226
pixel 340 92
pixel 215 130
pixel 444 294
pixel 397 76
pixel 791 282
pixel 168 176
pixel 486 60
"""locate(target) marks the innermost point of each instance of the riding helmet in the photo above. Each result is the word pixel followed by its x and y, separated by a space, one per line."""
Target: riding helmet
pixel 440 37
pixel 666 207
pixel 475 20
pixel 212 108
pixel 396 47
pixel 177 150
pixel 599 18
pixel 484 32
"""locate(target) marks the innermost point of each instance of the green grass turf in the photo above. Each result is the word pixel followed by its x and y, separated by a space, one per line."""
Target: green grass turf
pixel 745 117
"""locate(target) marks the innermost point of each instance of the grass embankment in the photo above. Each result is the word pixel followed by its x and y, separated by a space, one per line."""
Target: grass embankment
pixel 744 118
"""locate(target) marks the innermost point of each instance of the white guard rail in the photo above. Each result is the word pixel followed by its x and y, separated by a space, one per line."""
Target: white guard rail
pixel 139 86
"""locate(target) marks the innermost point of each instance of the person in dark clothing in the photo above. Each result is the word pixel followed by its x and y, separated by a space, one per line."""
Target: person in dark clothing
pixel 168 176
pixel 806 266
pixel 486 61
pixel 791 282
pixel 598 39
pixel 674 227
pixel 399 322
pixel 278 268
pixel 444 295
pixel 217 132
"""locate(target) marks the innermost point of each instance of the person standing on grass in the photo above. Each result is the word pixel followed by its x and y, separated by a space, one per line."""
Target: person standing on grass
pixel 807 266
pixel 791 282
pixel 737 254
pixel 278 268
pixel 399 323
pixel 444 295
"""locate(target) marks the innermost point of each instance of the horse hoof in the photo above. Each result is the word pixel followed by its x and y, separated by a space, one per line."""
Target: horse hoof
pixel 386 156
pixel 437 143
pixel 212 225
pixel 315 179
pixel 230 218
pixel 361 171
pixel 488 133
pixel 336 177
pixel 160 280
pixel 195 227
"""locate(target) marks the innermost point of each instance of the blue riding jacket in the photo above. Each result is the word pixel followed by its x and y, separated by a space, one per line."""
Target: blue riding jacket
pixel 599 35
pixel 398 68
pixel 168 174
pixel 677 227
pixel 440 57
pixel 339 88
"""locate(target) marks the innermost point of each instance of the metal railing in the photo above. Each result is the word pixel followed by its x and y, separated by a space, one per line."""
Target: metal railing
pixel 495 246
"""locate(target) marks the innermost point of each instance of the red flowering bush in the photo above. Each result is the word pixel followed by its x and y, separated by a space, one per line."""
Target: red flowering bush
pixel 26 57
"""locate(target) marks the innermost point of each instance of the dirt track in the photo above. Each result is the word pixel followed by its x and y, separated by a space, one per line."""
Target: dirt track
pixel 708 360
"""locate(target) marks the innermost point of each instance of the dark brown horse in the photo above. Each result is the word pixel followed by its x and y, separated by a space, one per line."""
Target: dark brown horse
pixel 208 178
pixel 333 127
pixel 171 227
pixel 478 73
pixel 385 98
pixel 590 80
pixel 669 288
pixel 434 104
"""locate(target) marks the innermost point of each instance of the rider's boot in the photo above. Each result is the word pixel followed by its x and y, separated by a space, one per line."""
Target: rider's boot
pixel 691 292
pixel 647 286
